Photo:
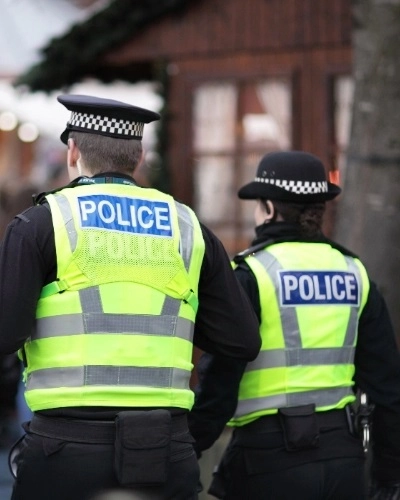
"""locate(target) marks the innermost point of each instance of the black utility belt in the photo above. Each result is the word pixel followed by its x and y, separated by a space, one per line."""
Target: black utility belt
pixel 300 425
pixel 141 440
pixel 273 423
pixel 95 431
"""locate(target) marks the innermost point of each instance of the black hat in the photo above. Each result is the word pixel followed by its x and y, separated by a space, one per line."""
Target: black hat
pixel 95 115
pixel 293 176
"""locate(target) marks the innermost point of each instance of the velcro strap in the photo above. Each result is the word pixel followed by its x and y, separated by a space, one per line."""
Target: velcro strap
pixel 58 286
pixel 190 297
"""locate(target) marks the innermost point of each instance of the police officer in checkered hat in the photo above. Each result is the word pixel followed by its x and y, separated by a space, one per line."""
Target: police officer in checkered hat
pixel 105 288
pixel 326 333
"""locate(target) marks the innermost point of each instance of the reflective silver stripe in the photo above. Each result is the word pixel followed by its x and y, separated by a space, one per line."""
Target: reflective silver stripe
pixel 91 301
pixel 290 324
pixel 352 325
pixel 276 358
pixel 91 323
pixel 322 397
pixel 171 306
pixel 66 213
pixel 186 233
pixel 108 376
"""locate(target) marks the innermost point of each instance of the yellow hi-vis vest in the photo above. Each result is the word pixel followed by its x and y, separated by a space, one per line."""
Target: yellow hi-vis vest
pixel 311 297
pixel 116 328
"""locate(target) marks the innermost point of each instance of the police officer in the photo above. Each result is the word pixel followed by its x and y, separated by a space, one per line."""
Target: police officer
pixel 105 287
pixel 326 333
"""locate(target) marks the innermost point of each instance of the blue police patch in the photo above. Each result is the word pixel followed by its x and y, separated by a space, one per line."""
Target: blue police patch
pixel 298 288
pixel 120 213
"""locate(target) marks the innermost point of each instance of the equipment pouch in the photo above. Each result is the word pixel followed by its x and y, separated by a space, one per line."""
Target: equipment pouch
pixel 142 447
pixel 300 427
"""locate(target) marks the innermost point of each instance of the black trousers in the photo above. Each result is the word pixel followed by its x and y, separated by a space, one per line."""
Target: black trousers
pixel 332 479
pixel 58 469
pixel 258 466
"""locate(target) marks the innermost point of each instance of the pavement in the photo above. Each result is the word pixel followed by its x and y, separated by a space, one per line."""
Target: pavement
pixel 6 480
pixel 10 431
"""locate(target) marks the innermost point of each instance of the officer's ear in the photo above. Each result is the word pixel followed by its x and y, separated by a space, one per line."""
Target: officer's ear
pixel 73 154
pixel 269 210
pixel 73 157
pixel 141 159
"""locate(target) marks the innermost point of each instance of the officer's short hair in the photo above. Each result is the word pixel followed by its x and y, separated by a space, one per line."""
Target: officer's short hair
pixel 107 154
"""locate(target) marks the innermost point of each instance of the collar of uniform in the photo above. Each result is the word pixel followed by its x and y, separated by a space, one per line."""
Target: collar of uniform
pixel 107 178
pixel 279 231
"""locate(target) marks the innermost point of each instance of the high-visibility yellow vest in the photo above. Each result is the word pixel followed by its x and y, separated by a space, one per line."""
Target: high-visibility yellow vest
pixel 116 327
pixel 311 297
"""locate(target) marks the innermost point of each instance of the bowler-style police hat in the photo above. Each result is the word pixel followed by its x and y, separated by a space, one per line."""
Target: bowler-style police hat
pixel 292 176
pixel 95 115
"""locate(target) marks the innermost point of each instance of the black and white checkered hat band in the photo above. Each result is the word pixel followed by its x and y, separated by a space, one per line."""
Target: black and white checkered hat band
pixel 106 125
pixel 297 187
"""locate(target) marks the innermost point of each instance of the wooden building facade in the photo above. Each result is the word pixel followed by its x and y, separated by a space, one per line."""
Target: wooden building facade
pixel 239 79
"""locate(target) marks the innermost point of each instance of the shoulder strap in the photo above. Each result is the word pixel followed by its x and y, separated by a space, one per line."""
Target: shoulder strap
pixel 253 249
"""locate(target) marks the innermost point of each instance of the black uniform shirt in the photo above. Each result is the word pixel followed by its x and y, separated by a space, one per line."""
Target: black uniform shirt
pixel 225 323
pixel 377 368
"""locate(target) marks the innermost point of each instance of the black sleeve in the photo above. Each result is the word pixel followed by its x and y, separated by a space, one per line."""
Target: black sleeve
pixel 27 262
pixel 215 398
pixel 225 324
pixel 219 379
pixel 248 281
pixel 377 362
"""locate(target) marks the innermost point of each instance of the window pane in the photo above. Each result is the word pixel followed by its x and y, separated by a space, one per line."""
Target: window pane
pixel 343 101
pixel 267 114
pixel 214 189
pixel 214 117
pixel 248 168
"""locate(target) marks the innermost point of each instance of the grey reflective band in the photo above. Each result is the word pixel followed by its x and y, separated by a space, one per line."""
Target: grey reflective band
pixel 277 358
pixel 52 378
pixel 321 398
pixel 290 324
pixel 90 299
pixel 171 306
pixel 186 232
pixel 89 323
pixel 352 325
pixel 66 213
pixel 92 320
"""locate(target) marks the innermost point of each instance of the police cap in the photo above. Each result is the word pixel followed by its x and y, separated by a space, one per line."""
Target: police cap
pixel 96 115
pixel 291 176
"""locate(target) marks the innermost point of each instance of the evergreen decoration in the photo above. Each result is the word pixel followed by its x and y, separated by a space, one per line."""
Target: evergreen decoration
pixel 77 54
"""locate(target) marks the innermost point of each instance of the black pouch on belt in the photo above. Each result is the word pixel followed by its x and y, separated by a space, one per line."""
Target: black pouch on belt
pixel 300 427
pixel 142 446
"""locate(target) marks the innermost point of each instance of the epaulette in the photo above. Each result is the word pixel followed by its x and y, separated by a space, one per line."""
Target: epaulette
pixel 251 250
pixel 39 199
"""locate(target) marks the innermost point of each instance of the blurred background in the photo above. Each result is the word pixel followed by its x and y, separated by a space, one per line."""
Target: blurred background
pixel 232 80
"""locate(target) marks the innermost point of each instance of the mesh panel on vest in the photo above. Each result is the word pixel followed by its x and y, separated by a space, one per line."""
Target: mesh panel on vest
pixel 106 256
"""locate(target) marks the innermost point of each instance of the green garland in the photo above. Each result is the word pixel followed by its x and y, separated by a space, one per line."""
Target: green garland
pixel 74 56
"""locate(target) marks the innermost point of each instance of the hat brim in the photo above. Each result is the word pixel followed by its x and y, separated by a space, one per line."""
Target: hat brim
pixel 256 190
pixel 64 136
